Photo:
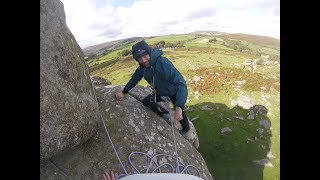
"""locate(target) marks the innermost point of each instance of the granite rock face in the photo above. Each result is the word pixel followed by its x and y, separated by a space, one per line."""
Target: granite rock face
pixel 68 110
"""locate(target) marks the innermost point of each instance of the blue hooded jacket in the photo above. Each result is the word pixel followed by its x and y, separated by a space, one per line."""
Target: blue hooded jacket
pixel 168 80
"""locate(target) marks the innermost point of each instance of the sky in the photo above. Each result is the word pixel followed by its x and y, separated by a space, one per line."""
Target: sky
pixel 97 21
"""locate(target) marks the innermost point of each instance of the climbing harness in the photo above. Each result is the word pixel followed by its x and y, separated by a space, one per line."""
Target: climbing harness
pixel 154 95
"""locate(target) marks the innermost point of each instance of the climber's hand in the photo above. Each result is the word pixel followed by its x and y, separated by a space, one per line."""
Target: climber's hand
pixel 119 96
pixel 106 176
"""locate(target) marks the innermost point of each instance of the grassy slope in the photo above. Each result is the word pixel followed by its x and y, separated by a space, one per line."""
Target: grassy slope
pixel 228 156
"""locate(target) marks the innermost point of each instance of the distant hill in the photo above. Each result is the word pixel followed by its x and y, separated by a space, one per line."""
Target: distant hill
pixel 101 48
pixel 207 33
pixel 256 39
pixel 104 47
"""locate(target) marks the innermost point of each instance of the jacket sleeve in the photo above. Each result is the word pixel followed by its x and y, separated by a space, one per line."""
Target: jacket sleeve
pixel 135 78
pixel 171 74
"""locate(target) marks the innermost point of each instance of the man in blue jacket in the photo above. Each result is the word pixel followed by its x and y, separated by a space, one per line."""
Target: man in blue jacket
pixel 166 80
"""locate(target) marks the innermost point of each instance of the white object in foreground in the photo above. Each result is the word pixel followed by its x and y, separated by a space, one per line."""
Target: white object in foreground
pixel 161 176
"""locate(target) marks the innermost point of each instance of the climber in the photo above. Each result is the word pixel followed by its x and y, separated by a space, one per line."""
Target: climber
pixel 165 80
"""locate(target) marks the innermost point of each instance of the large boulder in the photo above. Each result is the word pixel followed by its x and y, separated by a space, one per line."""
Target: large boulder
pixel 133 128
pixel 68 110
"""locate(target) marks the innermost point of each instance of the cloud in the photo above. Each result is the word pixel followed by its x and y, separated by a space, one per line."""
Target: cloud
pixel 97 21
pixel 205 12
pixel 110 33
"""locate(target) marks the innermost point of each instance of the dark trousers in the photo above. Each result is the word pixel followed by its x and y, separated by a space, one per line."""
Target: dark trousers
pixel 149 102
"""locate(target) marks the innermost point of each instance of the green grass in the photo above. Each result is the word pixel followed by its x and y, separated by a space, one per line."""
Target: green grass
pixel 203 42
pixel 169 38
pixel 228 156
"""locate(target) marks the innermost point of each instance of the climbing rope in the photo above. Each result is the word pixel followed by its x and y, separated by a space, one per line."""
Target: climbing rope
pixel 105 128
pixel 60 170
pixel 153 162
pixel 185 168
pixel 178 163
pixel 174 136
pixel 158 166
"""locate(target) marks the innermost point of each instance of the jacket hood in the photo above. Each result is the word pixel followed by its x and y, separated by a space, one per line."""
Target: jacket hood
pixel 155 53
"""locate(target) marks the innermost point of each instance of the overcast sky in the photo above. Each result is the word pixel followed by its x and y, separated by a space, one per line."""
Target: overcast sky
pixel 98 21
